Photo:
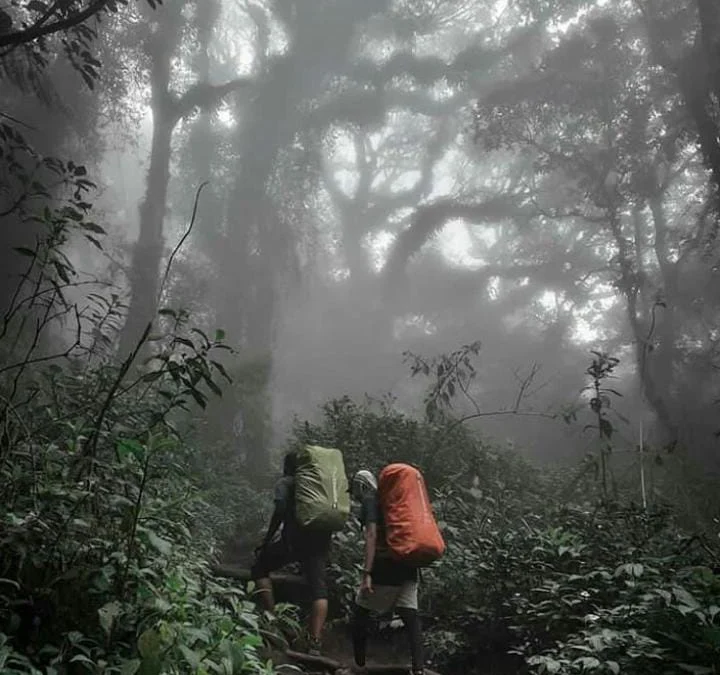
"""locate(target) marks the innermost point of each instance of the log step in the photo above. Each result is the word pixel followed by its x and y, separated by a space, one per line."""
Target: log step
pixel 243 574
pixel 331 665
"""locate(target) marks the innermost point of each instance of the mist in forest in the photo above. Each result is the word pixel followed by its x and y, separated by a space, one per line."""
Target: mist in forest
pixel 478 237
pixel 378 181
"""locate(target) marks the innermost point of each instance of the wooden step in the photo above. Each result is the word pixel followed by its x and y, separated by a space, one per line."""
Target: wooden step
pixel 243 574
pixel 331 665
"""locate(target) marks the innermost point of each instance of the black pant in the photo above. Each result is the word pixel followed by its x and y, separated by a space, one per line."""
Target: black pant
pixel 310 550
pixel 411 619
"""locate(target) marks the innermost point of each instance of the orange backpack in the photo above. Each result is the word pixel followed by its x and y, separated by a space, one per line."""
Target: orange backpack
pixel 412 534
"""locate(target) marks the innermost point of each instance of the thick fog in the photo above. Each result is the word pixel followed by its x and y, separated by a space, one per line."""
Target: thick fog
pixel 384 177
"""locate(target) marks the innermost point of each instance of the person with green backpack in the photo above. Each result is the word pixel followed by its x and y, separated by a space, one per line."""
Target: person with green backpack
pixel 311 503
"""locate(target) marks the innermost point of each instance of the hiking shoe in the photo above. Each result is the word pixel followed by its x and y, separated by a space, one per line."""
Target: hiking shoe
pixel 314 646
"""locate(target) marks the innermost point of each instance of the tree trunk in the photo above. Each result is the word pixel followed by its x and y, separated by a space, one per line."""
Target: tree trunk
pixel 699 83
pixel 148 251
pixel 249 264
pixel 664 357
pixel 629 287
pixel 168 110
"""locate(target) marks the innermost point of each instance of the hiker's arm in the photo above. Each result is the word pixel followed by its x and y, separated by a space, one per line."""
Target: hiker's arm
pixel 370 544
pixel 275 522
pixel 281 499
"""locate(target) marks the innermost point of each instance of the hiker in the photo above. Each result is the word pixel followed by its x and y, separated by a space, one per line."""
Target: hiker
pixel 311 502
pixel 386 583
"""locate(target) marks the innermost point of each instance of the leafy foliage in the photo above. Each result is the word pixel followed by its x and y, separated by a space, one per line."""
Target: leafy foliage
pixel 601 369
pixel 540 567
pixel 452 372
pixel 38 26
pixel 104 545
pixel 373 433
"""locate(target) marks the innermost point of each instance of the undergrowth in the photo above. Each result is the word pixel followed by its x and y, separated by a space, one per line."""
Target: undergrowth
pixel 105 538
pixel 542 572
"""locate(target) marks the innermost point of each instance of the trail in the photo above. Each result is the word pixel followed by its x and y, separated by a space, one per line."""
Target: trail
pixel 383 658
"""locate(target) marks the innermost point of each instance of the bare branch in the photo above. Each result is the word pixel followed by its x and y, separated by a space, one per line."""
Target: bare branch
pixel 498 413
pixel 524 385
pixel 207 96
pixel 429 219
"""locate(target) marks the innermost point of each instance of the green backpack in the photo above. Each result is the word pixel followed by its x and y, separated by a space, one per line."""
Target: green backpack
pixel 322 500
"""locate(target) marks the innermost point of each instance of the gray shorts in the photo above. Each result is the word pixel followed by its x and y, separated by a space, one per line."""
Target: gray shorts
pixel 385 598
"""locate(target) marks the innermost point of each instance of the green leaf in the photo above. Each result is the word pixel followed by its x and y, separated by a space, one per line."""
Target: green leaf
pixel 128 446
pixel 201 334
pixel 199 634
pixel 192 657
pixel 161 545
pixel 222 370
pixel 682 596
pixel 219 335
pixel 62 271
pixel 151 666
pixel 94 242
pixel 107 615
pixel 199 398
pixel 163 605
pixel 93 227
pixel 215 389
pixel 587 662
pixel 552 666
pixel 130 667
pixel 149 644
pixel 74 637
pixel 24 251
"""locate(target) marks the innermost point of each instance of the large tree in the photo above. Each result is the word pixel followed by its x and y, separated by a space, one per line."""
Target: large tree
pixel 168 33
pixel 611 149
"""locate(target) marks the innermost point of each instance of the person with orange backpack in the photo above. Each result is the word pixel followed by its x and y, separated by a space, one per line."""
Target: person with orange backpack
pixel 401 536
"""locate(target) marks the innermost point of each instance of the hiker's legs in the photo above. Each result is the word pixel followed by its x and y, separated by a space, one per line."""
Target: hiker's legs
pixel 265 593
pixel 274 556
pixel 314 564
pixel 407 608
pixel 314 568
pixel 318 616
pixel 411 619
pixel 360 630
pixel 381 600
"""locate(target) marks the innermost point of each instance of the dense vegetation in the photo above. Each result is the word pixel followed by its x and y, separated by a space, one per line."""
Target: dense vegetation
pixel 106 540
pixel 542 568
pixel 122 368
